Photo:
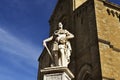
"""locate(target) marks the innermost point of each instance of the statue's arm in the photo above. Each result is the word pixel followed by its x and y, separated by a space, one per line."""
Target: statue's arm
pixel 47 40
pixel 69 35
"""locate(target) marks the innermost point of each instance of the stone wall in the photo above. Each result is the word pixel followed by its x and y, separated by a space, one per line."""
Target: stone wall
pixel 108 27
pixel 86 43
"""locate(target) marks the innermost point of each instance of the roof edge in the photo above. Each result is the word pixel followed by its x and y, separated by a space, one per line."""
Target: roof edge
pixel 111 4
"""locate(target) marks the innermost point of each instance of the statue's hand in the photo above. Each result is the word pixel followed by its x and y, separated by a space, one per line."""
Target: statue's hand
pixel 44 43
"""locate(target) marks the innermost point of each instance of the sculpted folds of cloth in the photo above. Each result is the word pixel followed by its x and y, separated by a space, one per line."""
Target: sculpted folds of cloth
pixel 61 48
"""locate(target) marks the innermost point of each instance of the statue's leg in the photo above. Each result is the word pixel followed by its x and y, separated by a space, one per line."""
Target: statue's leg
pixel 68 53
pixel 63 58
pixel 59 59
pixel 56 58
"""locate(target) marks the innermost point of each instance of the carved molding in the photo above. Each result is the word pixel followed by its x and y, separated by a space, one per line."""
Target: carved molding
pixel 106 78
pixel 114 13
pixel 109 44
pixel 112 5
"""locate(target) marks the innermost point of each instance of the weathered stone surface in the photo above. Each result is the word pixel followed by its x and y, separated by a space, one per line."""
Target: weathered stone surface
pixel 86 47
pixel 108 27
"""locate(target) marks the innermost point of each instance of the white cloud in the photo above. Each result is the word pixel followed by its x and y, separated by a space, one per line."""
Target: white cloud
pixel 18 47
pixel 19 53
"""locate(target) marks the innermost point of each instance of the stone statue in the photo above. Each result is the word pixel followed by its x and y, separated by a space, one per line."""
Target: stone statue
pixel 61 48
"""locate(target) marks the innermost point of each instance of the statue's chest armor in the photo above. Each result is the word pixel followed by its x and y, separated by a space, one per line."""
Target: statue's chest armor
pixel 60 36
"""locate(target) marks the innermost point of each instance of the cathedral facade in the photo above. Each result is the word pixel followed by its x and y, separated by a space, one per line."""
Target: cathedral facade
pixel 96 46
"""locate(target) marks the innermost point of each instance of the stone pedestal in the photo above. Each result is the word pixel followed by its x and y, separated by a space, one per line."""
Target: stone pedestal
pixel 57 73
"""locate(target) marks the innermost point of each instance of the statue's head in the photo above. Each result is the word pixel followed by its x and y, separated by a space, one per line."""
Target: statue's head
pixel 60 25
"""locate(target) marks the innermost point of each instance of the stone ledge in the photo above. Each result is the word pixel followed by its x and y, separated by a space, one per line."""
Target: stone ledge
pixel 57 69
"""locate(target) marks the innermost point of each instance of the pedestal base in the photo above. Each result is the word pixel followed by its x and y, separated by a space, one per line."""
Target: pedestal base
pixel 57 73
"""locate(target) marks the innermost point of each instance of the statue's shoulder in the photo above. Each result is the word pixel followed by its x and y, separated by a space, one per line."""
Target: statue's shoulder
pixel 66 31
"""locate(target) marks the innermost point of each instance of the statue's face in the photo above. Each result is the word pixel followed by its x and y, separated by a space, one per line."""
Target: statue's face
pixel 60 25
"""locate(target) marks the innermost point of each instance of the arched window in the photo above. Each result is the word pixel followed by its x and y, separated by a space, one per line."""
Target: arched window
pixel 85 73
pixel 87 76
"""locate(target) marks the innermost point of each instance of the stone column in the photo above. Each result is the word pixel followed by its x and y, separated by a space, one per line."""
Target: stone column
pixel 57 73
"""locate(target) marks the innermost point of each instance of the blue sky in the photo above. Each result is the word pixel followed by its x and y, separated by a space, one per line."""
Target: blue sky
pixel 23 26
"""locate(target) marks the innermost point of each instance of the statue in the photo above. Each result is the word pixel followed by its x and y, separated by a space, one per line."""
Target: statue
pixel 61 48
